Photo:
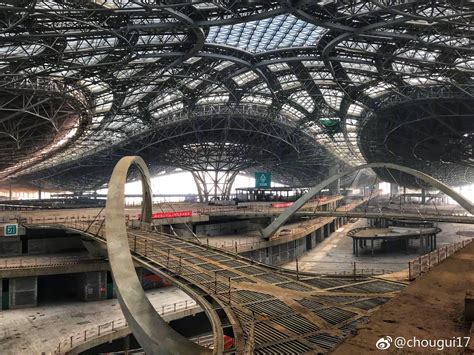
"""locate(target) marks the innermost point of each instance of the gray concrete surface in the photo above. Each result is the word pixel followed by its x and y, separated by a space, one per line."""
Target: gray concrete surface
pixel 40 329
pixel 334 254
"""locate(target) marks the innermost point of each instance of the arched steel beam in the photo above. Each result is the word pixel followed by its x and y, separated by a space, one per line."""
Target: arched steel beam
pixel 152 332
pixel 271 229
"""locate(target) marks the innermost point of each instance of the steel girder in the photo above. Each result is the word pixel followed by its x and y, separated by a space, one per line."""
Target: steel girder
pixel 215 141
pixel 326 67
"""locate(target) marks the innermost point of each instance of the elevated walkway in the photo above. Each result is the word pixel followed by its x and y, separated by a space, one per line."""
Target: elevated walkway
pixel 393 215
pixel 40 265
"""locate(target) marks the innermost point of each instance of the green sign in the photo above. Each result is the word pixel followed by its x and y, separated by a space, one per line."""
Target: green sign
pixel 10 229
pixel 263 179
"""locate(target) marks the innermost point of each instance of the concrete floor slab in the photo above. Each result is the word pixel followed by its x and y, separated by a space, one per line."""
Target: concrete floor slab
pixel 40 329
pixel 334 254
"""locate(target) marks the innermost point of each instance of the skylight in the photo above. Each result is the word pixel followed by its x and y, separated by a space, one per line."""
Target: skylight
pixel 256 99
pixel 303 99
pixel 378 90
pixel 245 78
pixel 332 97
pixel 289 81
pixel 264 35
pixel 215 99
pixel 355 110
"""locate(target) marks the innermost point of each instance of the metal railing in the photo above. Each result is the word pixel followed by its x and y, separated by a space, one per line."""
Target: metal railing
pixel 264 206
pixel 254 243
pixel 46 261
pixel 350 267
pixel 425 262
pixel 116 325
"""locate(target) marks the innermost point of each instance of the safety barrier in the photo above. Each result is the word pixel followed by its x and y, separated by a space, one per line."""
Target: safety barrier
pixel 297 232
pixel 68 219
pixel 425 262
pixel 260 206
pixel 346 268
pixel 114 326
pixel 50 261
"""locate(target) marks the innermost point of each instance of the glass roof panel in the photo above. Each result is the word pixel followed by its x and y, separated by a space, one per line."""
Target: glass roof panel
pixel 433 79
pixel 281 31
pixel 192 60
pixel 313 63
pixel 256 99
pixel 167 110
pixel 465 64
pixel 359 78
pixel 134 95
pixel 245 78
pixel 261 88
pixel 289 81
pixel 165 99
pixel 278 67
pixel 303 99
pixel 378 90
pixel 359 66
pixel 14 51
pixel 223 65
pixel 322 78
pixel 292 112
pixel 332 97
pixel 214 99
pixel 355 110
pixel 192 84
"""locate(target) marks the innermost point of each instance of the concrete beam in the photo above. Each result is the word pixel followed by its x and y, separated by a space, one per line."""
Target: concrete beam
pixel 44 270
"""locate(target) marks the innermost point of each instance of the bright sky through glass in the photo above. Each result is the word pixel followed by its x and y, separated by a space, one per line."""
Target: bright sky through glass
pixel 179 183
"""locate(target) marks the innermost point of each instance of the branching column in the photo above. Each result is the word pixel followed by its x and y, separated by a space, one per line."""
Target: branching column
pixel 214 184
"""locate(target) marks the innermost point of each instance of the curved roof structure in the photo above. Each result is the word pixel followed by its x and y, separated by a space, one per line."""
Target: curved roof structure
pixel 296 86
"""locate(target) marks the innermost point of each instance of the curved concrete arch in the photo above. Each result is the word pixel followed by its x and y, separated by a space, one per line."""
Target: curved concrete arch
pixel 271 229
pixel 152 332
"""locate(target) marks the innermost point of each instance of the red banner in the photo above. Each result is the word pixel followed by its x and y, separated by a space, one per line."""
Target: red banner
pixel 228 342
pixel 281 204
pixel 177 214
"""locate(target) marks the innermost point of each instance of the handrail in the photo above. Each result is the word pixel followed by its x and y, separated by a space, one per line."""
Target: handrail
pixel 423 263
pixel 116 325
pixel 50 261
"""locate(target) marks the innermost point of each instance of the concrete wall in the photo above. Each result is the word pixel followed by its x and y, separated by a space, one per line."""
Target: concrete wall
pixel 286 252
pixel 225 228
pixel 10 246
pixel 279 254
pixel 319 237
pixel 21 231
pixel 23 292
pixel 92 286
pixel 327 230
pixel 54 245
